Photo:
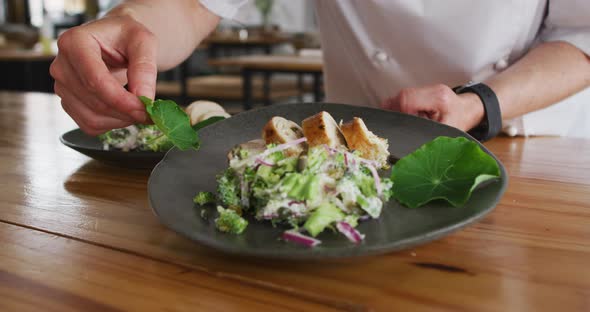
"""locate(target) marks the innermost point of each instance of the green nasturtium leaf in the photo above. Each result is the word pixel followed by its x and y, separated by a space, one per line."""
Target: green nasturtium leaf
pixel 445 168
pixel 209 121
pixel 173 122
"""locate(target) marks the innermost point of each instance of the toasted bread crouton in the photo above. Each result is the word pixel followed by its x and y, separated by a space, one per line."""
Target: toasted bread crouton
pixel 279 130
pixel 197 109
pixel 359 138
pixel 320 129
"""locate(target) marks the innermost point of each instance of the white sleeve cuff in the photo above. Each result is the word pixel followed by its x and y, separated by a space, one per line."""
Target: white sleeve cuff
pixel 223 8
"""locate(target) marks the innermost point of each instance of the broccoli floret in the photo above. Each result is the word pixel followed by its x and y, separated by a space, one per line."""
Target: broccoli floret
pixel 204 198
pixel 316 157
pixel 228 188
pixel 366 183
pixel 286 165
pixel 301 186
pixel 322 217
pixel 387 186
pixel 243 154
pixel 371 205
pixel 229 221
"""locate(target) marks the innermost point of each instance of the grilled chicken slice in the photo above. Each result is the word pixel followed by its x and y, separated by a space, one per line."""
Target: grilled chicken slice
pixel 279 130
pixel 320 129
pixel 197 110
pixel 359 138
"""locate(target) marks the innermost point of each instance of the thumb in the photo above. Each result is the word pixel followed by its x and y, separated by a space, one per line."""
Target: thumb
pixel 142 68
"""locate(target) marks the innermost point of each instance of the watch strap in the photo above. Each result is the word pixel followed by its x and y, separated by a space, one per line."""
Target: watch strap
pixel 492 121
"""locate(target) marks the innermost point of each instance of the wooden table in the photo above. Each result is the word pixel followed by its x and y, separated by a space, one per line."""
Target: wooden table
pixel 77 235
pixel 273 64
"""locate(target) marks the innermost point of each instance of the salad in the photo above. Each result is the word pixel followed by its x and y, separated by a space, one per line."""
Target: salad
pixel 323 176
pixel 173 126
pixel 136 137
pixel 311 181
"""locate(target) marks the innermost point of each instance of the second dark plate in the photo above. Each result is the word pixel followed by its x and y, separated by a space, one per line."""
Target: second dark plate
pixel 92 147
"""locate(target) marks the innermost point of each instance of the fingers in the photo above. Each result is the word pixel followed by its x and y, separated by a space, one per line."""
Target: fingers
pixel 89 121
pixel 84 52
pixel 69 77
pixel 142 69
pixel 432 102
pixel 95 61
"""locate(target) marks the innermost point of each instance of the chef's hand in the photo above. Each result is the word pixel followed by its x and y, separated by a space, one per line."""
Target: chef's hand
pixel 439 103
pixel 94 63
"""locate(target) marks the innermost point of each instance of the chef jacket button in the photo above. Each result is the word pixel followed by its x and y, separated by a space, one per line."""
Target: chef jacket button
pixel 501 64
pixel 381 56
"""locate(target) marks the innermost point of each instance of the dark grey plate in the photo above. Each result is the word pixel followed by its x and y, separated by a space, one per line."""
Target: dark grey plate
pixel 180 175
pixel 92 147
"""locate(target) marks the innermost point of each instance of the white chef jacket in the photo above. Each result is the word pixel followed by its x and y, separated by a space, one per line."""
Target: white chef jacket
pixel 374 48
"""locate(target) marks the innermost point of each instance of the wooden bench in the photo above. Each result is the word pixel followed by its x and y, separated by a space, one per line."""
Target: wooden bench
pixel 229 88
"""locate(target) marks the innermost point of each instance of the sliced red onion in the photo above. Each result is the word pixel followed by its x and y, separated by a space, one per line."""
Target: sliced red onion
pixel 293 202
pixel 270 216
pixel 351 233
pixel 346 159
pixel 278 148
pixel 261 161
pixel 284 146
pixel 301 239
pixel 352 158
pixel 329 150
pixel 376 177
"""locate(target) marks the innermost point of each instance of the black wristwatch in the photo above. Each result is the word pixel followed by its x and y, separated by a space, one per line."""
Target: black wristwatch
pixel 492 121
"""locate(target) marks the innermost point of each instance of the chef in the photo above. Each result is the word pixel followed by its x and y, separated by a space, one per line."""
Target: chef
pixel 481 66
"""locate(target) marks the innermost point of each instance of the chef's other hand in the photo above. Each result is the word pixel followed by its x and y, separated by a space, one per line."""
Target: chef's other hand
pixel 439 103
pixel 94 63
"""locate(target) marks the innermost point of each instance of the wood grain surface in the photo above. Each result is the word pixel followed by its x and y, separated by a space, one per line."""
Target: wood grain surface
pixel 76 232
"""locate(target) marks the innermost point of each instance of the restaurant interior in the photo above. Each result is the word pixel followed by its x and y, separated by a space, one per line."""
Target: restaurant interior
pixel 104 223
pixel 271 56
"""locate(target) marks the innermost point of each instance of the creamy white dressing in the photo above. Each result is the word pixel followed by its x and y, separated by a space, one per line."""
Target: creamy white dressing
pixel 349 193
pixel 130 141
pixel 335 183
pixel 373 207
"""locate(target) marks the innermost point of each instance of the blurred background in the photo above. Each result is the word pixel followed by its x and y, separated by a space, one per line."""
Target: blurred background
pixel 270 53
